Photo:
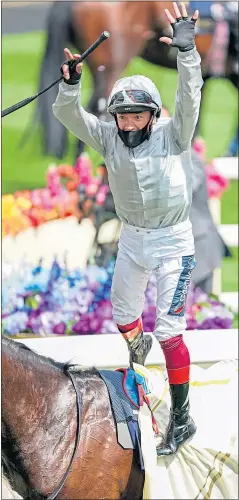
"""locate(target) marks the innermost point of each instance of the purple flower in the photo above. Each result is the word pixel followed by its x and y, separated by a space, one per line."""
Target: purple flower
pixel 82 299
pixel 60 328
pixel 192 324
pixel 215 324
pixel 76 328
pixel 109 326
pixel 149 317
pixel 104 309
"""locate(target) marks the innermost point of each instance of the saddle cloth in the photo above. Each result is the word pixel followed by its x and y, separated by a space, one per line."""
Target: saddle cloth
pixel 127 391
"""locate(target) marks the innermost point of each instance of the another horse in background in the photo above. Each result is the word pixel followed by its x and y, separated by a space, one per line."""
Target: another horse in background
pixel 135 29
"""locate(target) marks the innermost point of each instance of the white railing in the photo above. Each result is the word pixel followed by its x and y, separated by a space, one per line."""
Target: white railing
pixel 110 351
pixel 228 167
pixel 229 233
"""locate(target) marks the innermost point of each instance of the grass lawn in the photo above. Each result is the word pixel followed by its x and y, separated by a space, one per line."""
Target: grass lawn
pixel 25 168
pixel 230 272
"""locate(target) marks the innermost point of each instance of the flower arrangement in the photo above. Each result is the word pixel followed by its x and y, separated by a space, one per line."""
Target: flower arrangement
pixel 58 199
pixel 216 183
pixel 75 191
pixel 25 209
pixel 57 301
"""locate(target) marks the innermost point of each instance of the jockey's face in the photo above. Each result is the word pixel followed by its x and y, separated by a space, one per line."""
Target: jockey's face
pixel 130 122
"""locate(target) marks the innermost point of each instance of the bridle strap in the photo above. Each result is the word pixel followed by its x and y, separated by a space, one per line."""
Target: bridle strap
pixel 53 495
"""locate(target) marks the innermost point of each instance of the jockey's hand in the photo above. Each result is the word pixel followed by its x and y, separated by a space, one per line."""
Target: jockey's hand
pixel 183 28
pixel 71 75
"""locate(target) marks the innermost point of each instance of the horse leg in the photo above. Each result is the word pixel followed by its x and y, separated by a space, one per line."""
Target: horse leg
pixel 59 35
pixel 80 146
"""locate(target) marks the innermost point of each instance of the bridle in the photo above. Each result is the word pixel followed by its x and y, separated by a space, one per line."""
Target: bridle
pixel 53 495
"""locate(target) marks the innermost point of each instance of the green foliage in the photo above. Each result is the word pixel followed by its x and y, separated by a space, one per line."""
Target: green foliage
pixel 230 272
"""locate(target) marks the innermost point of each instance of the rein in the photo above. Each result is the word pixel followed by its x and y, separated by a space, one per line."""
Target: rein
pixel 53 495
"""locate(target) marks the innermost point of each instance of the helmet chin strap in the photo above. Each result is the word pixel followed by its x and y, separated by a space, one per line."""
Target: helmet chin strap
pixel 132 139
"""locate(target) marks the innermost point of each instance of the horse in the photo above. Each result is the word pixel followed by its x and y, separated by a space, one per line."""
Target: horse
pixel 135 29
pixel 58 431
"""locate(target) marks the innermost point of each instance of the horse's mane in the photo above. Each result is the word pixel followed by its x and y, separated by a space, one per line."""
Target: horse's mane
pixel 63 366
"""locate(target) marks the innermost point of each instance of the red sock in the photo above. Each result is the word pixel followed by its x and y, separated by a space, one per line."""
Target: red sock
pixel 177 360
pixel 131 330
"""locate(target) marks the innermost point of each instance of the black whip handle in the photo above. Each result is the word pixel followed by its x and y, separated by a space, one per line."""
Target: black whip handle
pixel 85 54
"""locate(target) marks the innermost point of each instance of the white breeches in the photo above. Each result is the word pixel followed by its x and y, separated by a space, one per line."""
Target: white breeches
pixel 140 252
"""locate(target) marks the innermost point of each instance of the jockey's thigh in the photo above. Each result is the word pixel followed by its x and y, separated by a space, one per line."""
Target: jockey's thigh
pixel 128 287
pixel 173 279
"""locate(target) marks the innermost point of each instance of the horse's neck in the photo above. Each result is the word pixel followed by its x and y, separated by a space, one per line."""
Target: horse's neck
pixel 38 415
pixel 28 385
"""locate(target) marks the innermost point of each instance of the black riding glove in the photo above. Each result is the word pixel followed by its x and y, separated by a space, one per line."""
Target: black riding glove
pixel 74 76
pixel 184 34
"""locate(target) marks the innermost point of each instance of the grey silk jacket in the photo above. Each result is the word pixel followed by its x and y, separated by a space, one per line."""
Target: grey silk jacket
pixel 152 183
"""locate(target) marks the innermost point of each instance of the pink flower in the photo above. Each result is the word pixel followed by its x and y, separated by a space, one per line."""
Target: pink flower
pixel 199 146
pixel 216 183
pixel 84 169
pixel 101 195
pixel 53 181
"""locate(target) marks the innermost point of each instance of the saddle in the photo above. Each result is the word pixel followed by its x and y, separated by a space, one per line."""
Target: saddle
pixel 127 391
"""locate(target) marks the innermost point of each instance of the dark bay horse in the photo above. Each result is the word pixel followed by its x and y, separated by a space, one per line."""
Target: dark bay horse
pixel 135 29
pixel 42 417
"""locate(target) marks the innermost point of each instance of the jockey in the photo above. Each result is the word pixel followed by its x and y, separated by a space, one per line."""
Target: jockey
pixel 152 191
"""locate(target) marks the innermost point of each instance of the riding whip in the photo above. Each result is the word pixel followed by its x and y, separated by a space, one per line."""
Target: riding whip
pixel 85 54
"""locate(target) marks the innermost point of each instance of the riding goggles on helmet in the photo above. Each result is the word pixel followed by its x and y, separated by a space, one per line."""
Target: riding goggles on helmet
pixel 132 101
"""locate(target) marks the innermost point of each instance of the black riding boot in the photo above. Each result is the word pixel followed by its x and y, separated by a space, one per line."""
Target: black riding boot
pixel 139 348
pixel 181 426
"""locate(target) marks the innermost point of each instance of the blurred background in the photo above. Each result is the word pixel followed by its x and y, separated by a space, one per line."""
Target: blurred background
pixel 54 191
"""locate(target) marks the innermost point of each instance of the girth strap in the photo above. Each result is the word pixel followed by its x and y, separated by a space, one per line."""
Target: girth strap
pixel 53 495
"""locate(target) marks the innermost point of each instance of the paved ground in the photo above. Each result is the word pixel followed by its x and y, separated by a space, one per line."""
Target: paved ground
pixel 24 17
